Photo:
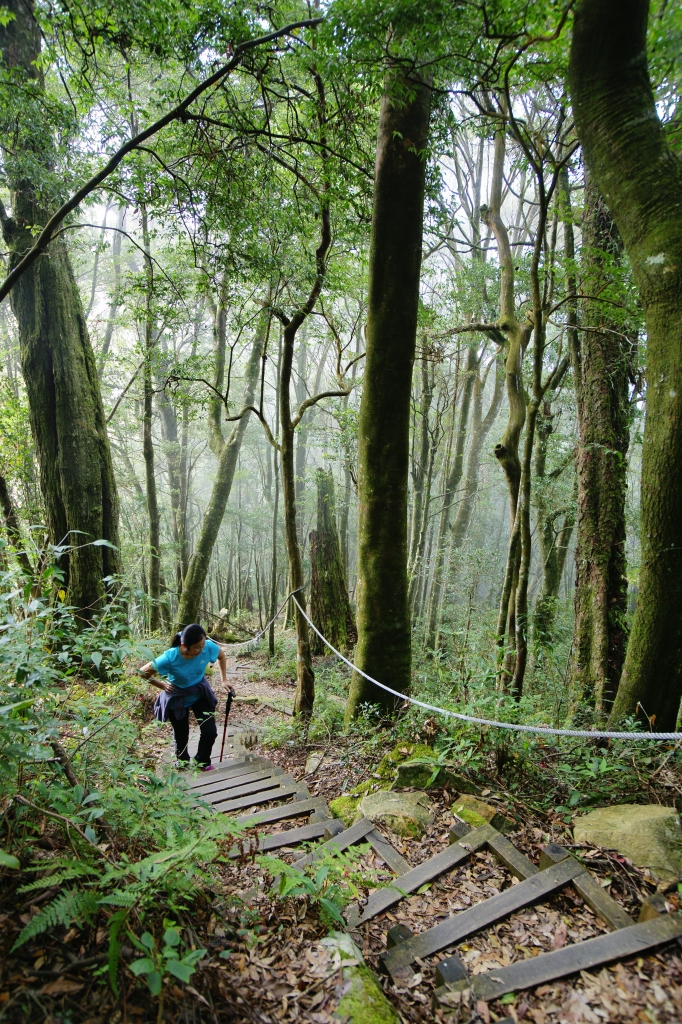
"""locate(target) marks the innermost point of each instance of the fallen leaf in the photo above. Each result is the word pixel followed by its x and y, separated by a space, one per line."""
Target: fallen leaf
pixel 60 986
pixel 560 934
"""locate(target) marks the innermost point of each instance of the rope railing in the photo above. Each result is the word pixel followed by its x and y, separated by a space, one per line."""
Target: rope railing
pixel 540 730
pixel 256 638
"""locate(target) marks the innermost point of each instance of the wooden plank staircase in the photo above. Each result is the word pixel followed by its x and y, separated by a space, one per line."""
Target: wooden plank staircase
pixel 246 782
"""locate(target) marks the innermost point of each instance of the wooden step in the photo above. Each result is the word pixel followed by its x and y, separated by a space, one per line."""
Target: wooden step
pixel 413 879
pixel 398 961
pixel 232 793
pixel 278 793
pixel 293 836
pixel 315 805
pixel 339 842
pixel 538 970
pixel 237 777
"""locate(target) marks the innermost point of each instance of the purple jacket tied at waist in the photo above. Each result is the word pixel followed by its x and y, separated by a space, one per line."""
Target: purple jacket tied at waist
pixel 175 701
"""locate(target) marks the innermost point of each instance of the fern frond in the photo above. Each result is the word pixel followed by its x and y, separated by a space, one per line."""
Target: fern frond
pixel 73 905
pixel 75 870
pixel 119 898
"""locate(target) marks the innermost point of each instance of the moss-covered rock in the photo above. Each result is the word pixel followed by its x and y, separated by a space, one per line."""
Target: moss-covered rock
pixel 345 807
pixel 362 1000
pixel 477 812
pixel 406 814
pixel 388 766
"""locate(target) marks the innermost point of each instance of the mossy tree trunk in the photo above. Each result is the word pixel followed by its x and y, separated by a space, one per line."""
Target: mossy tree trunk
pixel 602 380
pixel 627 153
pixel 13 529
pixel 384 630
pixel 65 405
pixel 329 605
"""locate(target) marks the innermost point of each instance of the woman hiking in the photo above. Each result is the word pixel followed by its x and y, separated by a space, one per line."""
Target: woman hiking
pixel 186 686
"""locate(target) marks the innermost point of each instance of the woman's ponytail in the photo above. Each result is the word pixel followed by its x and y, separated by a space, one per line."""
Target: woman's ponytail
pixel 177 640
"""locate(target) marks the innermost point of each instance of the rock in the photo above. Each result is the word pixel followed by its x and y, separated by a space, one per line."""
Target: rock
pixel 406 814
pixel 314 761
pixel 418 775
pixel 362 1000
pixel 650 835
pixel 476 813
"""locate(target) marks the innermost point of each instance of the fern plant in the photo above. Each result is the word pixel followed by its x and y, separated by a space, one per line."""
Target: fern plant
pixel 72 906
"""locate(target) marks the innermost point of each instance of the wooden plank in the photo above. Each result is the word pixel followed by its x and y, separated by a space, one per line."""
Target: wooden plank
pixel 426 872
pixel 293 810
pixel 258 798
pixel 511 858
pixel 240 779
pixel 253 787
pixel 398 961
pixel 388 853
pixel 398 933
pixel 241 767
pixel 340 842
pixel 333 827
pixel 538 970
pixel 603 905
pixel 289 838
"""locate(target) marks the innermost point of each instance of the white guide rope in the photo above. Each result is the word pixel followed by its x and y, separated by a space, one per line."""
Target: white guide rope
pixel 542 730
pixel 256 638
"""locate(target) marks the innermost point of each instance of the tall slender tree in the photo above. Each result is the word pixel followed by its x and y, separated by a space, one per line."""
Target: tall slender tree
pixel 383 617
pixel 640 178
pixel 67 417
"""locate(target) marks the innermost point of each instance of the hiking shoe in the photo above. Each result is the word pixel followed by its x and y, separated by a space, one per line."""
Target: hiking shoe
pixel 209 768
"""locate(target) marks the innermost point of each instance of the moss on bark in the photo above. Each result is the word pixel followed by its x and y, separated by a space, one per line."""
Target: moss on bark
pixel 627 152
pixel 384 631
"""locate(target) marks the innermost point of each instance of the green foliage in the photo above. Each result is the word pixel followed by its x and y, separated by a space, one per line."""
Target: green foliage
pixel 72 905
pixel 157 962
pixel 329 883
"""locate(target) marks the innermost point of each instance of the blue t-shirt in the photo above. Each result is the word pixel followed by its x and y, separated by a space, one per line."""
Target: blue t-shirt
pixel 184 672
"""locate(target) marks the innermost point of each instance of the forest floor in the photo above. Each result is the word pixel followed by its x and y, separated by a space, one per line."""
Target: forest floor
pixel 265 959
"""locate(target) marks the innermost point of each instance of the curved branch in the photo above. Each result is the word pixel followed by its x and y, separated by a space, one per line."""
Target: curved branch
pixel 45 236
pixel 309 402
pixel 261 417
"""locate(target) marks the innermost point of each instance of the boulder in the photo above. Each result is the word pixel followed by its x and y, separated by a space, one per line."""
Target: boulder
pixel 420 775
pixel 650 835
pixel 406 814
pixel 360 997
pixel 477 812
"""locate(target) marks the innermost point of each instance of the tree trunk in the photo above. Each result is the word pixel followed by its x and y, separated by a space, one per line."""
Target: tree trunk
pixel 115 292
pixel 147 440
pixel 384 630
pixel 216 407
pixel 329 604
pixel 13 529
pixel 66 413
pixel 199 563
pixel 604 365
pixel 553 543
pixel 450 490
pixel 275 516
pixel 515 337
pixel 419 468
pixel 627 153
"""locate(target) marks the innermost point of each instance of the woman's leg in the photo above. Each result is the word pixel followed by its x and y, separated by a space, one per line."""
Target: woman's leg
pixel 208 731
pixel 181 734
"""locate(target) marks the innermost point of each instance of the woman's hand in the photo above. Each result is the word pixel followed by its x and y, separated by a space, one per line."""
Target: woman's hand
pixel 163 684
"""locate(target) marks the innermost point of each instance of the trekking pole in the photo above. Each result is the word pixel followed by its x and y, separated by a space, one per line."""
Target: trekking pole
pixel 228 705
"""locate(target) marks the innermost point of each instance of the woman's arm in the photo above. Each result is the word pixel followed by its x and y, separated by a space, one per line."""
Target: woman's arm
pixel 222 665
pixel 147 671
